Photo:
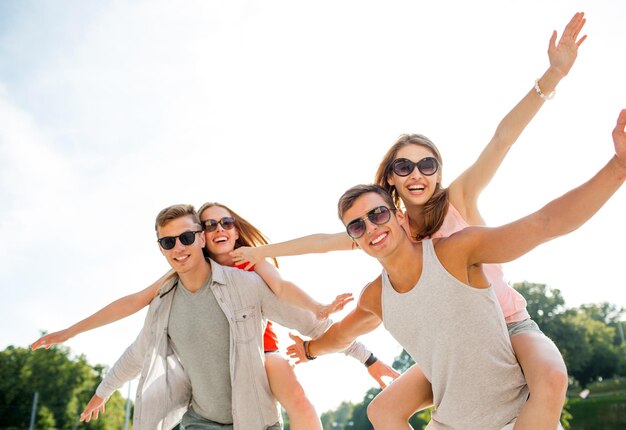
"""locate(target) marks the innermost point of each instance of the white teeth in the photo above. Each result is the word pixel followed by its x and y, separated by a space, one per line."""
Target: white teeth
pixel 416 188
pixel 378 239
pixel 181 258
pixel 220 239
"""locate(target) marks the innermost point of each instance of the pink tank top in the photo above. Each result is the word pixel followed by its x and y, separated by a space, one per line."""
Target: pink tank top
pixel 513 304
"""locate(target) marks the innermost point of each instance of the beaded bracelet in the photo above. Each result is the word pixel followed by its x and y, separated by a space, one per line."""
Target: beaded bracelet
pixel 541 94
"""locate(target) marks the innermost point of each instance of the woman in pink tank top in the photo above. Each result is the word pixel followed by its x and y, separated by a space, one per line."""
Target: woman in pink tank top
pixel 411 172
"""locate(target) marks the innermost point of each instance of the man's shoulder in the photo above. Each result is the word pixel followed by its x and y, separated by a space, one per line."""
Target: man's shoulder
pixel 370 295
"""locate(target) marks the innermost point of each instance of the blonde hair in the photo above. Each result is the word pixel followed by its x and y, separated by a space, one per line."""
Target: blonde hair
pixel 436 208
pixel 173 212
pixel 249 235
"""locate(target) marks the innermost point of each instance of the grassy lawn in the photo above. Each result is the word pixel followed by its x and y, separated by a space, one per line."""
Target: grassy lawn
pixel 604 409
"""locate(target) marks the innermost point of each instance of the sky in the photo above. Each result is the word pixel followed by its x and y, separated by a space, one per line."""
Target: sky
pixel 113 110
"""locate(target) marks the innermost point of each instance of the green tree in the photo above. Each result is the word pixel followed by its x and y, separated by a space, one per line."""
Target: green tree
pixel 606 313
pixel 402 362
pixel 587 337
pixel 602 356
pixel 544 304
pixel 339 419
pixel 359 412
pixel 64 386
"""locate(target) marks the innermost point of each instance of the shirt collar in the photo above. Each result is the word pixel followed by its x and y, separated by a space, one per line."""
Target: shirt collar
pixel 217 271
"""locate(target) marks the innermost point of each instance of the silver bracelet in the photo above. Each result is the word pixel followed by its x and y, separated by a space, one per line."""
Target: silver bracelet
pixel 541 94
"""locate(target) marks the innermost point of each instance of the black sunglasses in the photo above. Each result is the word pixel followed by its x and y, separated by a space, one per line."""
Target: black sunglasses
pixel 227 223
pixel 379 216
pixel 186 238
pixel 403 166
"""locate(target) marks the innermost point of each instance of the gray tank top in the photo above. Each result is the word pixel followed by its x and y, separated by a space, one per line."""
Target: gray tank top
pixel 457 336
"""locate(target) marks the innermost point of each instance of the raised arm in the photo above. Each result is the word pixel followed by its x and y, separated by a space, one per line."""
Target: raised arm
pixel 465 190
pixel 312 244
pixel 112 312
pixel 291 294
pixel 559 217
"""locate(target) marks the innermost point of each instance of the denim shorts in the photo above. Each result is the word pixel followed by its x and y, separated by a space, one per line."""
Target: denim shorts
pixel 193 421
pixel 524 326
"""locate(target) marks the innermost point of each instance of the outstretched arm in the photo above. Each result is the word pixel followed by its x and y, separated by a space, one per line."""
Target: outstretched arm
pixel 363 319
pixel 312 244
pixel 112 312
pixel 291 294
pixel 465 190
pixel 559 217
pixel 377 369
pixel 126 368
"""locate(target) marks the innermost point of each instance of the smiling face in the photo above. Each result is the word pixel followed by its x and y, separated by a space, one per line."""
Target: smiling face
pixel 220 242
pixel 416 188
pixel 379 241
pixel 183 258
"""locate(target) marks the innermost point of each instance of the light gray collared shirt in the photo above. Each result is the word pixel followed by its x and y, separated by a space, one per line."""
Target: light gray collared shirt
pixel 164 391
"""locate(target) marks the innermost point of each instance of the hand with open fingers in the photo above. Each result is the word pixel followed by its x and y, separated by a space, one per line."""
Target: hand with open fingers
pixel 337 305
pixel 296 351
pixel 563 54
pixel 51 339
pixel 93 408
pixel 378 370
pixel 246 254
pixel 619 137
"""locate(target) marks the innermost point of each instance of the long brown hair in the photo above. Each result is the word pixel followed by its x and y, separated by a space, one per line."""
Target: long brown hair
pixel 249 235
pixel 436 208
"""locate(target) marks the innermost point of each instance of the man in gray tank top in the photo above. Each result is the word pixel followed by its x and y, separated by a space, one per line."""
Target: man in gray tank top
pixel 433 297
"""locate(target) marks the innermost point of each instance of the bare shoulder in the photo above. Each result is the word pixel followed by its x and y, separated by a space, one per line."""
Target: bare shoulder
pixel 370 297
pixel 454 251
pixel 456 245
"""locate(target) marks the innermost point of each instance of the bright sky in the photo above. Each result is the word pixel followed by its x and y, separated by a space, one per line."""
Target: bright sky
pixel 112 110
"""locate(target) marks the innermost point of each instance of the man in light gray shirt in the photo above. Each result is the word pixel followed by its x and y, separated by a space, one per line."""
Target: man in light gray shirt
pixel 200 352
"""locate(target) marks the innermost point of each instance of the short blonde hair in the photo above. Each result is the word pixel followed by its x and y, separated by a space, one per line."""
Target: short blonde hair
pixel 173 212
